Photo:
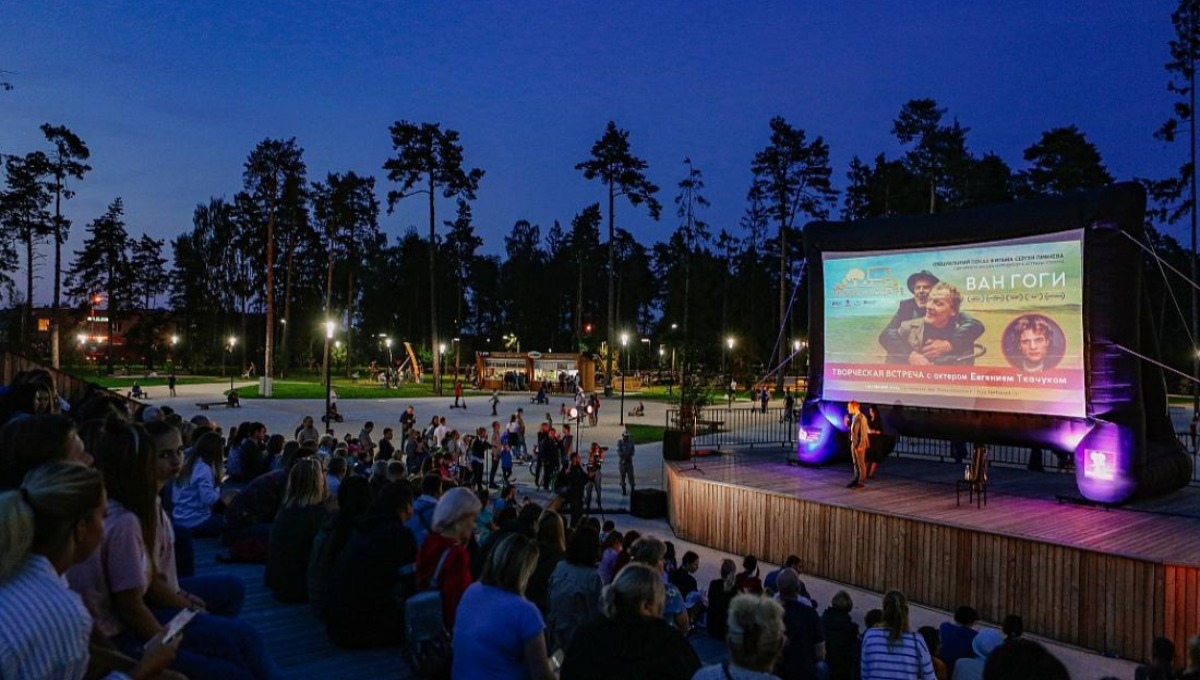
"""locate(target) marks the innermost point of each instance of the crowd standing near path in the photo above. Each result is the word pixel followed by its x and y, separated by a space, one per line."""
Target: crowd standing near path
pixel 358 526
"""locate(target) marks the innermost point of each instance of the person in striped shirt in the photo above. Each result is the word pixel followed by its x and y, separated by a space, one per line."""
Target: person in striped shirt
pixel 54 520
pixel 893 652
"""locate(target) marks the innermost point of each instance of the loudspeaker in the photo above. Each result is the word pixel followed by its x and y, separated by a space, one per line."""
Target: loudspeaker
pixel 648 503
pixel 677 445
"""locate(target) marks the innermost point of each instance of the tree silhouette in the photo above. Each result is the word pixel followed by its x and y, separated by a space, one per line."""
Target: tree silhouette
pixel 433 158
pixel 102 267
pixel 791 178
pixel 66 161
pixel 614 164
pixel 147 261
pixel 273 180
pixel 1063 160
pixel 25 216
pixel 692 230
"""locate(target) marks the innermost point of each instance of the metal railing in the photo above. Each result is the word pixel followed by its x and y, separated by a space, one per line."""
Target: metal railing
pixel 717 427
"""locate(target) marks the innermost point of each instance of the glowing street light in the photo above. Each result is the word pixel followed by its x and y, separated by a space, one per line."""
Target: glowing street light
pixel 330 327
pixel 624 344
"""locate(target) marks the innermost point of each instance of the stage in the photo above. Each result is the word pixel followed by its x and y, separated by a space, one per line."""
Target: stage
pixel 1109 580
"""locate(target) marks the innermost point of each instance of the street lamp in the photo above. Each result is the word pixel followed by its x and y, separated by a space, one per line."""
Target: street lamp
pixel 329 328
pixel 457 347
pixel 442 358
pixel 232 343
pixel 729 345
pixel 624 344
pixel 647 341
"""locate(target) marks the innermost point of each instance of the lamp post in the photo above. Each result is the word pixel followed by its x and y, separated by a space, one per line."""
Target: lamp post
pixel 624 344
pixel 232 343
pixel 442 360
pixel 457 346
pixel 575 413
pixel 647 341
pixel 174 341
pixel 729 345
pixel 329 328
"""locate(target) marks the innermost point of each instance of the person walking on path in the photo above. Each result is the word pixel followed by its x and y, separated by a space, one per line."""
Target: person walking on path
pixel 495 400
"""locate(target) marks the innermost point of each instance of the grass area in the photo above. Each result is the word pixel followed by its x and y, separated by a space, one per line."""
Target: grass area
pixel 124 382
pixel 661 393
pixel 289 389
pixel 645 434
pixel 347 389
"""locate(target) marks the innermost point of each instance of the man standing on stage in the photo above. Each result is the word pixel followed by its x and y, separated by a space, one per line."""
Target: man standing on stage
pixel 859 441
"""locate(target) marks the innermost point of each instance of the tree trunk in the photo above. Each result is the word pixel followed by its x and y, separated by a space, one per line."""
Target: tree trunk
pixel 58 244
pixel 608 369
pixel 328 312
pixel 269 344
pixel 27 317
pixel 433 325
pixel 287 302
pixel 349 314
pixel 783 283
pixel 579 302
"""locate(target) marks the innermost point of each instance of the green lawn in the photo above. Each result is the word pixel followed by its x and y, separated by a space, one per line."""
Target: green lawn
pixel 645 434
pixel 660 393
pixel 125 382
pixel 346 389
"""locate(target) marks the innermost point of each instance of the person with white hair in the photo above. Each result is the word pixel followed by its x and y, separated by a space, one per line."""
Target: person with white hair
pixel 444 550
pixel 755 639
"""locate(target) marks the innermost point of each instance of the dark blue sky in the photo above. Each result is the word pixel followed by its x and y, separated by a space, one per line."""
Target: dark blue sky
pixel 172 96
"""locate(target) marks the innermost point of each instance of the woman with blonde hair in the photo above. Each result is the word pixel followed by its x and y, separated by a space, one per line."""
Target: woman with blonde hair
pixel 446 545
pixel 53 521
pixel 892 650
pixel 300 517
pixel 501 632
pixel 631 640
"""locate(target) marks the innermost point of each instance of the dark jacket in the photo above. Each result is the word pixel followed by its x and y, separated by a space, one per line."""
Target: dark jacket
pixel 371 576
pixel 841 644
pixel 289 550
pixel 644 647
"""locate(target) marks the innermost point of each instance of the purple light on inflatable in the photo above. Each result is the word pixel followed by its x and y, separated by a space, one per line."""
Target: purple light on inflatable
pixel 1103 462
pixel 815 441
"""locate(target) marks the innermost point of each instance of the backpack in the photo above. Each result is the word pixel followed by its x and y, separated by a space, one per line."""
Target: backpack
pixel 428 649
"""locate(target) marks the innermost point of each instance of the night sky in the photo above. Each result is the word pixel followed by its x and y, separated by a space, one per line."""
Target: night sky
pixel 171 97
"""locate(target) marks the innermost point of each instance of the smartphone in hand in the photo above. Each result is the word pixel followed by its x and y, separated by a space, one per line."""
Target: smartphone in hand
pixel 176 624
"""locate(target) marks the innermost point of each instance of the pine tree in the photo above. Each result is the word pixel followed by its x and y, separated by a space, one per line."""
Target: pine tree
pixel 102 267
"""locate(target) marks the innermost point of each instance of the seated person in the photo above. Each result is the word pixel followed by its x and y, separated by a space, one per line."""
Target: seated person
pixel 301 514
pixel 375 568
pixel 639 410
pixel 541 397
pixel 136 391
pixel 234 399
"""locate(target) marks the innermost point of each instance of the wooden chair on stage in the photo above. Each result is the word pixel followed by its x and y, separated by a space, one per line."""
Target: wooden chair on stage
pixel 975 480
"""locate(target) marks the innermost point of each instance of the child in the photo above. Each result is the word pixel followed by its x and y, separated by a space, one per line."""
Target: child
pixel 506 461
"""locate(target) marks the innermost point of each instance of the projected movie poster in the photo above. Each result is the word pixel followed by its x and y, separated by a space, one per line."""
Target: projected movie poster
pixel 993 327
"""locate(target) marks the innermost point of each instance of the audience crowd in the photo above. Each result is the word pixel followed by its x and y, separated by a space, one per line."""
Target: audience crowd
pixel 99 510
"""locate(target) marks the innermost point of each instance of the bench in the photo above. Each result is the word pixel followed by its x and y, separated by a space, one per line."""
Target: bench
pixel 204 406
pixel 710 425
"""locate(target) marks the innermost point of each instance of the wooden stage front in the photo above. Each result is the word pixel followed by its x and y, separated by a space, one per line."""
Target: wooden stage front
pixel 1106 580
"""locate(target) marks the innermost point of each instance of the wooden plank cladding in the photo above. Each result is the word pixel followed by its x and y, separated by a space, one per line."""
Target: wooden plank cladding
pixel 1109 603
